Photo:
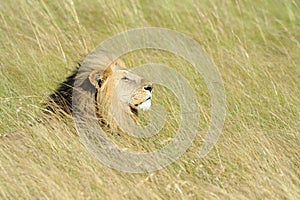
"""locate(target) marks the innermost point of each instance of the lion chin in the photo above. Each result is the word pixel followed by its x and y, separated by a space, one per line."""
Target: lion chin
pixel 146 105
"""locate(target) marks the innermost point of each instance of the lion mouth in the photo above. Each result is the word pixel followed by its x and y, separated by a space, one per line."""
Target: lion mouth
pixel 145 105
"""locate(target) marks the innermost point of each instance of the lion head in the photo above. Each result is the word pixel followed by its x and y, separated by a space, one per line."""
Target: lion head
pixel 106 87
pixel 120 93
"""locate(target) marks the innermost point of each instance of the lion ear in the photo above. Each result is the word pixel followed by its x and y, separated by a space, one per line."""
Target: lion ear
pixel 107 72
pixel 96 78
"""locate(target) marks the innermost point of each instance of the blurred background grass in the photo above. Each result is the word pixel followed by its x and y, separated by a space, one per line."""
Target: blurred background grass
pixel 255 45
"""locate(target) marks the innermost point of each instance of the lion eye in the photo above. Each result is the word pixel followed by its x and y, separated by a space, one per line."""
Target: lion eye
pixel 125 78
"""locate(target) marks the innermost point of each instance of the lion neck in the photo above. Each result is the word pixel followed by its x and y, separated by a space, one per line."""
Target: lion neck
pixel 113 112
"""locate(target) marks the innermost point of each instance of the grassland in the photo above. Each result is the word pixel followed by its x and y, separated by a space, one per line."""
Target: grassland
pixel 255 45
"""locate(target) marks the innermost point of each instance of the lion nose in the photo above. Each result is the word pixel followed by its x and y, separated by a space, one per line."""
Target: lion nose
pixel 148 87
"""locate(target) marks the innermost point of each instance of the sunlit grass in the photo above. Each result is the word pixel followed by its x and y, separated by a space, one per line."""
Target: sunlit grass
pixel 255 45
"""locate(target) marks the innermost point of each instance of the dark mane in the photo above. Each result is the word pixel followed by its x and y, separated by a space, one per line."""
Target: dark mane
pixel 61 98
pixel 60 101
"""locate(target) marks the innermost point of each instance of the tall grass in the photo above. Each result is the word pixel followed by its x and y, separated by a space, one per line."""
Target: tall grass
pixel 256 47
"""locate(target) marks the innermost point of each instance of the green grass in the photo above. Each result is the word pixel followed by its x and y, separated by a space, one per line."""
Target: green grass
pixel 255 45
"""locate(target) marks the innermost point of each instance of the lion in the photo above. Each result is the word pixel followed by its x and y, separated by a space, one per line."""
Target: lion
pixel 116 90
